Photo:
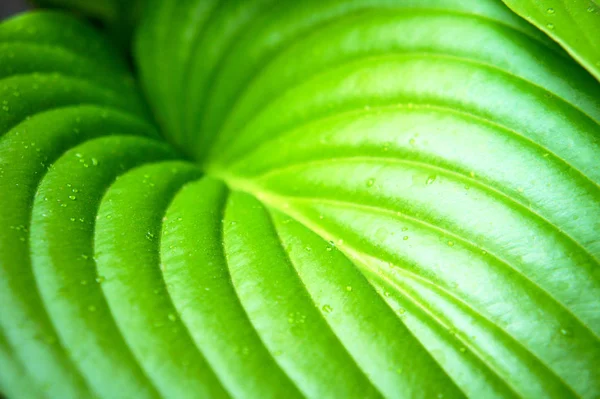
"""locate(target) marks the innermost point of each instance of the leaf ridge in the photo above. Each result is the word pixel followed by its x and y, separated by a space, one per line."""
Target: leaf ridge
pixel 314 304
pixel 458 238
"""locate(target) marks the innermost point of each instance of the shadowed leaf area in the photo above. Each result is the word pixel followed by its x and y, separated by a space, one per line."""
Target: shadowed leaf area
pixel 321 198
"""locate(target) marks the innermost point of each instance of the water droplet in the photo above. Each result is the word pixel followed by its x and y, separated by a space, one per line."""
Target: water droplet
pixel 412 142
pixel 100 279
pixel 172 317
pixel 349 288
pixel 370 182
pixel 405 229
pixel 327 308
pixel 401 311
pixel 450 243
pixel 550 26
pixel 94 162
pixel 405 238
pixel 387 294
pixel 590 9
pixel 430 179
pixel 565 332
pixel 72 197
pixel 149 236
pixel 550 11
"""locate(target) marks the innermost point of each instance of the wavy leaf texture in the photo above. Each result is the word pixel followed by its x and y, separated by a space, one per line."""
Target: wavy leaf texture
pixel 357 198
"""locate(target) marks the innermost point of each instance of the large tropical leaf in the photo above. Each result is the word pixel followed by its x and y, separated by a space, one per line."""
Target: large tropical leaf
pixel 389 198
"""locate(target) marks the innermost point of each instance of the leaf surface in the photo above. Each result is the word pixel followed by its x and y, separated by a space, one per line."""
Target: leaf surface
pixel 575 25
pixel 377 199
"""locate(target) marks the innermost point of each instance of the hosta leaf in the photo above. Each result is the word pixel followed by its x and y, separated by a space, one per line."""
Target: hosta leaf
pixel 379 199
pixel 48 124
pixel 573 24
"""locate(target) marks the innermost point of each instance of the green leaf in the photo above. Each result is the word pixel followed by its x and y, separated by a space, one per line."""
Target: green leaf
pixel 378 198
pixel 575 25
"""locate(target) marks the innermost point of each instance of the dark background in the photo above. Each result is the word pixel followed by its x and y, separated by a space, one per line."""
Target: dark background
pixel 10 7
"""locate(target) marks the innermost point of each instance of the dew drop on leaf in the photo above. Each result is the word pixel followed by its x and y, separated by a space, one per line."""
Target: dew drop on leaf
pixel 550 11
pixel 370 182
pixel 430 179
pixel 327 308
pixel 565 332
